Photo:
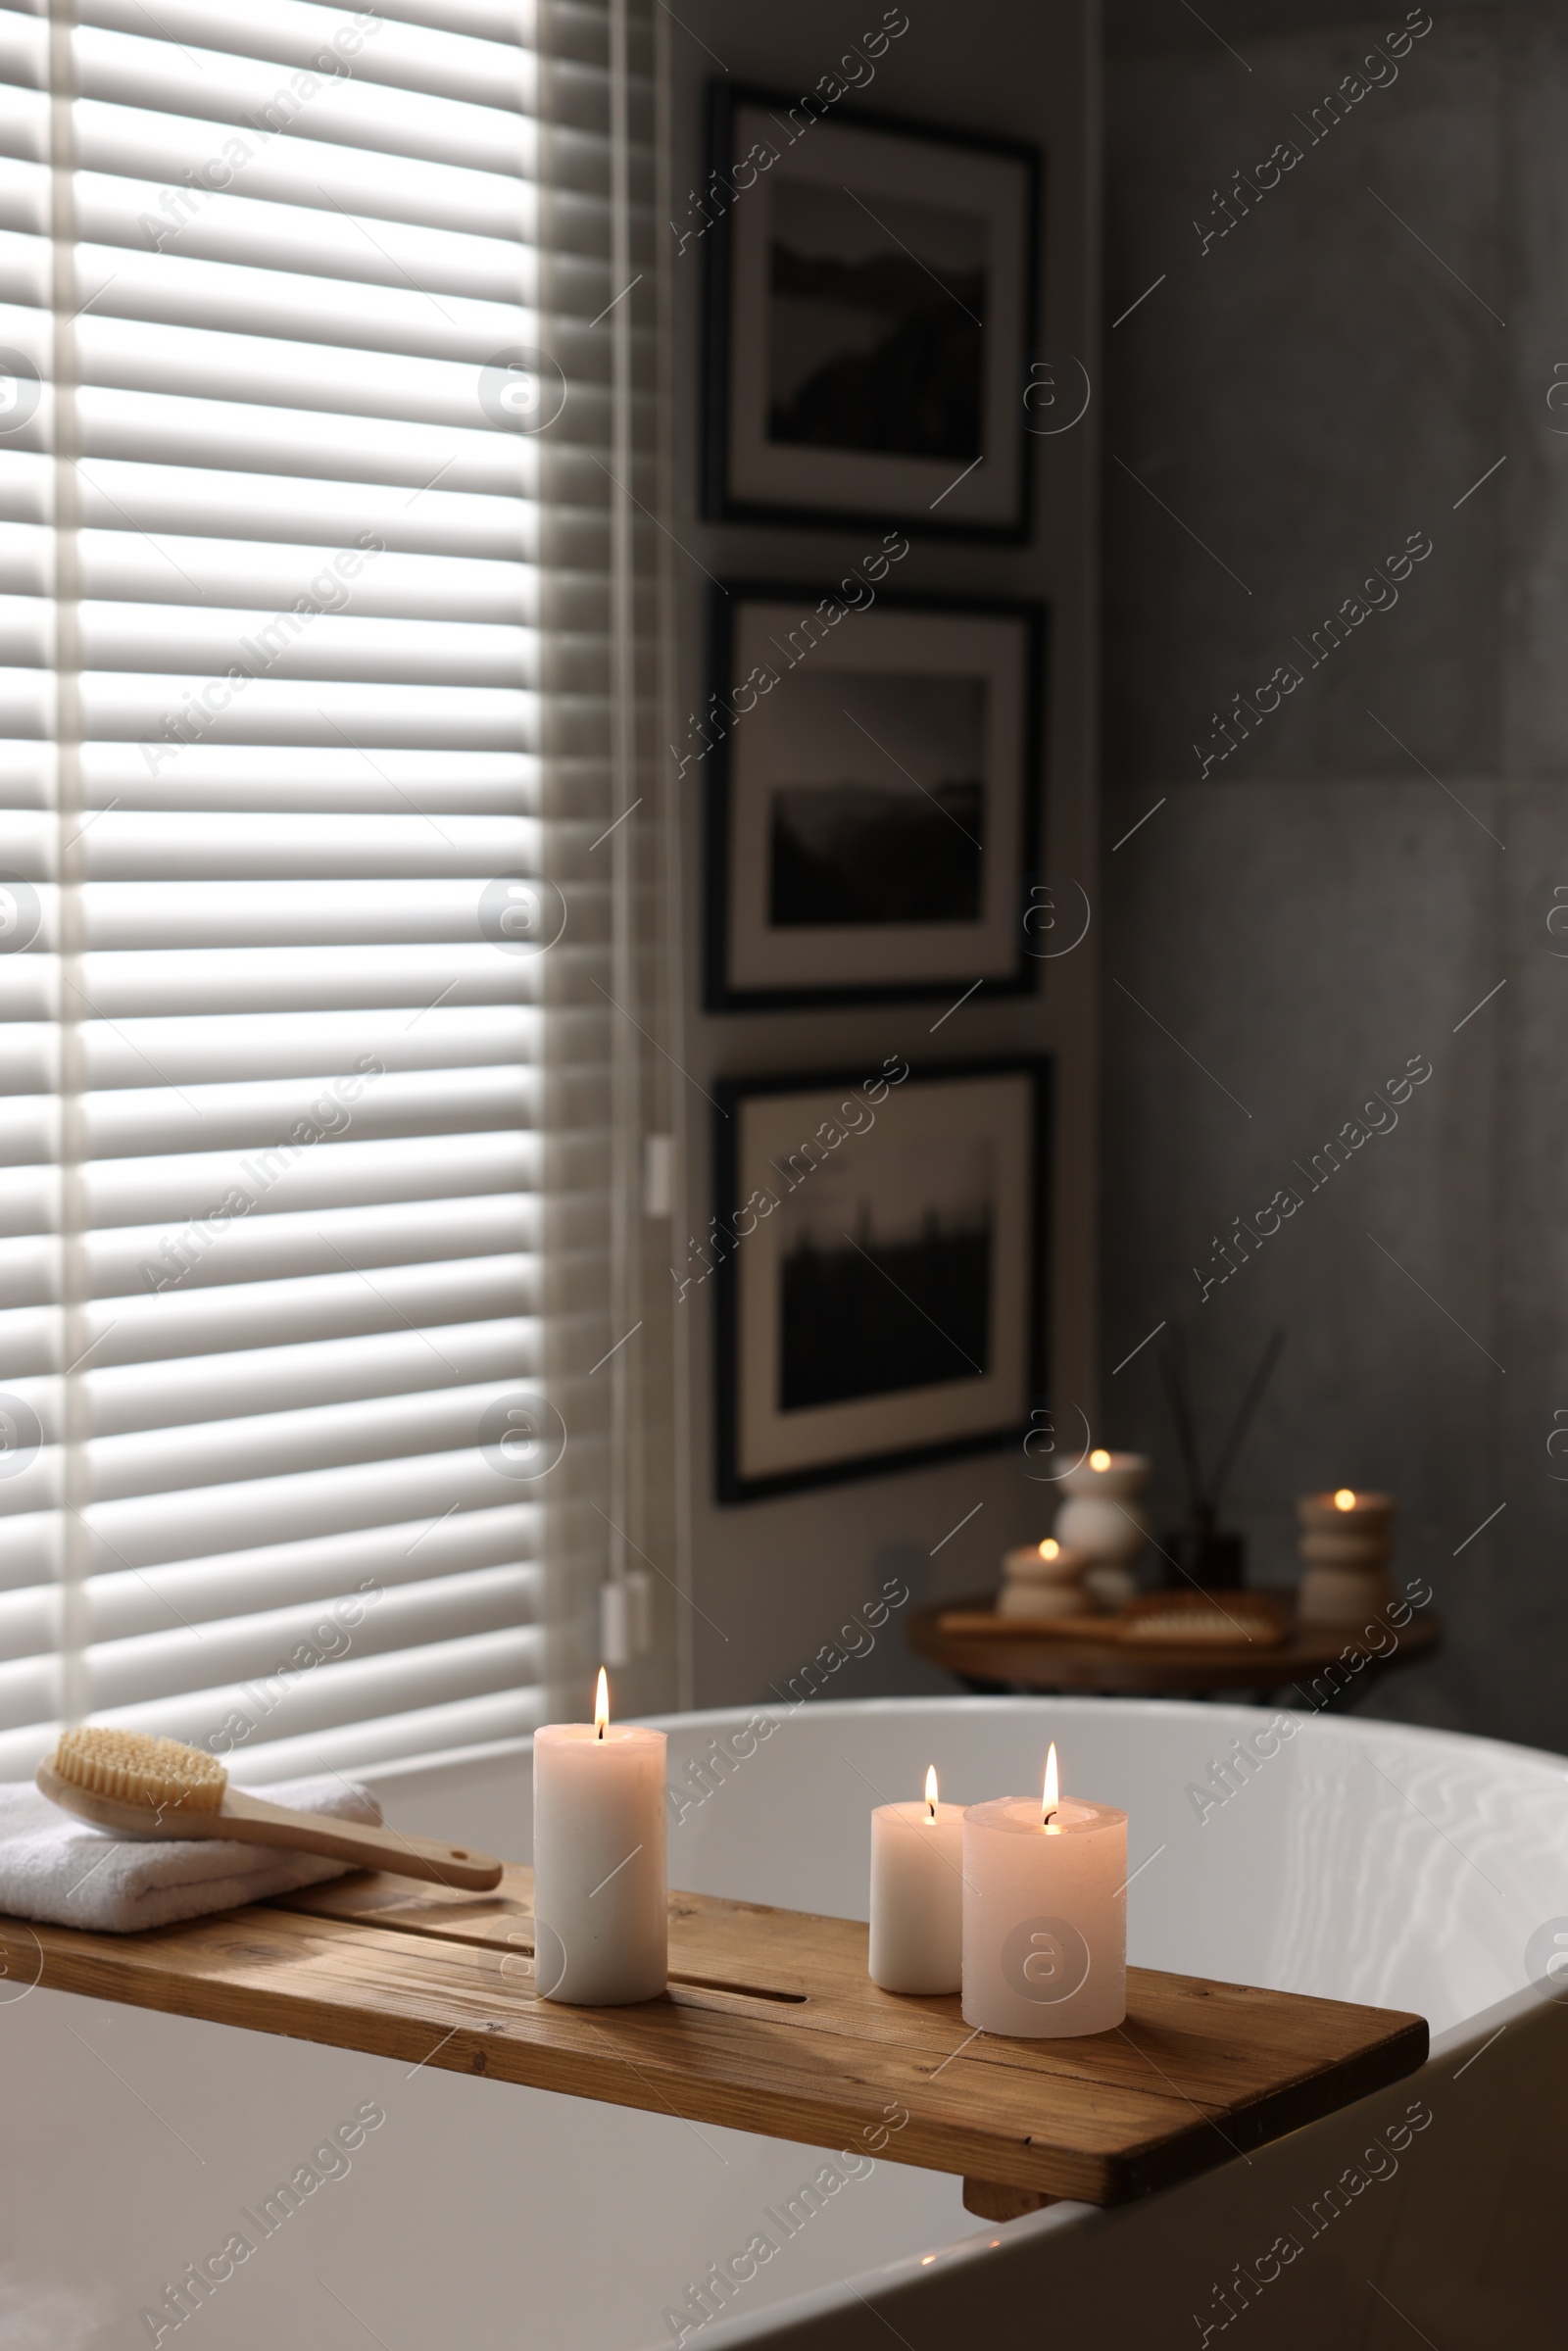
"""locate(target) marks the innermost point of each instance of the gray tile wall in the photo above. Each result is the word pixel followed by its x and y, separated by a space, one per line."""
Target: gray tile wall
pixel 1342 888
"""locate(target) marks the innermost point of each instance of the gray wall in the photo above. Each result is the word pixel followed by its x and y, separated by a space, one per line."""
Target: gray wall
pixel 1348 885
pixel 772 1580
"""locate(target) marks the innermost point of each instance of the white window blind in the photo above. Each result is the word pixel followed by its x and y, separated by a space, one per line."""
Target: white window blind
pixel 315 603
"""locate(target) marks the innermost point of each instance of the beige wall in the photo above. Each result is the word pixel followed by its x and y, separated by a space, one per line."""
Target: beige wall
pixel 772 1580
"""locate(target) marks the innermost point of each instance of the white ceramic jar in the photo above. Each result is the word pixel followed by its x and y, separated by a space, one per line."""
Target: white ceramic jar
pixel 1101 1520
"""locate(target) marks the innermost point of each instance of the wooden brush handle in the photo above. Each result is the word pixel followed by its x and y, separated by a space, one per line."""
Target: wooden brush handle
pixel 253 1821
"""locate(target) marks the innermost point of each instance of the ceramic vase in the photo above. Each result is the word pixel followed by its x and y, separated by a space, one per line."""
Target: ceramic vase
pixel 1101 1521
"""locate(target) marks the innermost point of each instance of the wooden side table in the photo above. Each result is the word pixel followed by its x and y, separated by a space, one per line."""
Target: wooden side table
pixel 1322 1667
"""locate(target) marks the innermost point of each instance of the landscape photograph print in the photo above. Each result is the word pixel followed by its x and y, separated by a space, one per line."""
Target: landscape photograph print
pixel 873 813
pixel 885 1273
pixel 880 1268
pixel 869 304
pixel 854 835
pixel 875 323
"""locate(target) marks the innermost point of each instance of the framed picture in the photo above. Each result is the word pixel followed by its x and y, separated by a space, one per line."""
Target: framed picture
pixel 874 814
pixel 870 292
pixel 881 1245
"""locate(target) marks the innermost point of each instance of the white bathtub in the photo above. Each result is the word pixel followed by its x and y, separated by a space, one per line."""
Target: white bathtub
pixel 1363 1861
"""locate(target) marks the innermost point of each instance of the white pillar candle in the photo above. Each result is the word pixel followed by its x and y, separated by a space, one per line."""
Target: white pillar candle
pixel 1347 1542
pixel 600 1922
pixel 1044 1915
pixel 917 1895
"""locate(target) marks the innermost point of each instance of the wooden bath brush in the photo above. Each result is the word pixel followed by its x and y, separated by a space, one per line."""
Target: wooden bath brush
pixel 139 1786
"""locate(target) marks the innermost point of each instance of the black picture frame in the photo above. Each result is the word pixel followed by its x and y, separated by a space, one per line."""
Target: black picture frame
pixel 752 965
pixel 937 1419
pixel 751 476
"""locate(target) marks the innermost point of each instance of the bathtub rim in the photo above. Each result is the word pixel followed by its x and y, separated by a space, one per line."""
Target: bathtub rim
pixel 1416 1736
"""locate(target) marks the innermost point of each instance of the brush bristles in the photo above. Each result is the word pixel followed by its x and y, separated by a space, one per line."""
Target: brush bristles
pixel 134 1769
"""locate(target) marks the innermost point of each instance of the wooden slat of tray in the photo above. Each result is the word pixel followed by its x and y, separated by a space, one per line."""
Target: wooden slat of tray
pixel 1027 1628
pixel 1255 1631
pixel 772 2025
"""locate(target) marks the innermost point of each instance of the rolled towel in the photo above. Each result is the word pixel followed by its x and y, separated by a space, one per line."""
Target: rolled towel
pixel 55 1867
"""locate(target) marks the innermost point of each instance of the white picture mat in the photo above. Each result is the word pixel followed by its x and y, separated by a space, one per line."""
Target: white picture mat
pixel 865 481
pixel 772 1444
pixel 992 646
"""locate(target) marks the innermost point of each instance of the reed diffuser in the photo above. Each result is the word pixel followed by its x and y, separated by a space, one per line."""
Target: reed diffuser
pixel 1202 1553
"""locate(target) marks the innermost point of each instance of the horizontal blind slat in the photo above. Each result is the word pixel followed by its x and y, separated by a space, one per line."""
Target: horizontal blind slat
pixel 478 1666
pixel 314 1572
pixel 285 1645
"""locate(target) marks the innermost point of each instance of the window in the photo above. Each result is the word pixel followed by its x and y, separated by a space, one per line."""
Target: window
pixel 315 441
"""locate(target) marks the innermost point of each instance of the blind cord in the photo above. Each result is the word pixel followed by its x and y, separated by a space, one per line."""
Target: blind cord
pixel 70 857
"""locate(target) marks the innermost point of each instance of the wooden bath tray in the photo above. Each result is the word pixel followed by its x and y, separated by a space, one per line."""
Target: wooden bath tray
pixel 770 2024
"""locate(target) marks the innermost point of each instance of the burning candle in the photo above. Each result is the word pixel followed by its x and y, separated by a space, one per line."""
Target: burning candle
pixel 1048 1562
pixel 1347 1543
pixel 1355 1513
pixel 1044 1915
pixel 917 1895
pixel 600 1930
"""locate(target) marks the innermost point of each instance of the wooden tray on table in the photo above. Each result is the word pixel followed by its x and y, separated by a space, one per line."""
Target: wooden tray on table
pixel 1092 1655
pixel 771 2023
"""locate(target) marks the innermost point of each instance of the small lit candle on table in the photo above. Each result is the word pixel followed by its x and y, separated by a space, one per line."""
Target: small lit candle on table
pixel 1042 1562
pixel 1042 1580
pixel 601 1917
pixel 1044 1915
pixel 1346 1544
pixel 1346 1512
pixel 917 1895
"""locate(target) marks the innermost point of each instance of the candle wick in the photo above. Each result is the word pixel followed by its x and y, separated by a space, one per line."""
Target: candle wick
pixel 600 1730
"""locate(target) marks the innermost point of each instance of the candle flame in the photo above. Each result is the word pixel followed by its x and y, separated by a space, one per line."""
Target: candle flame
pixel 1050 1548
pixel 1344 1500
pixel 931 1792
pixel 601 1705
pixel 1051 1799
pixel 1100 1458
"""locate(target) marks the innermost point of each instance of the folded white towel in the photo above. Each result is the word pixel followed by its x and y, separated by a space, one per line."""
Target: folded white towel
pixel 54 1866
